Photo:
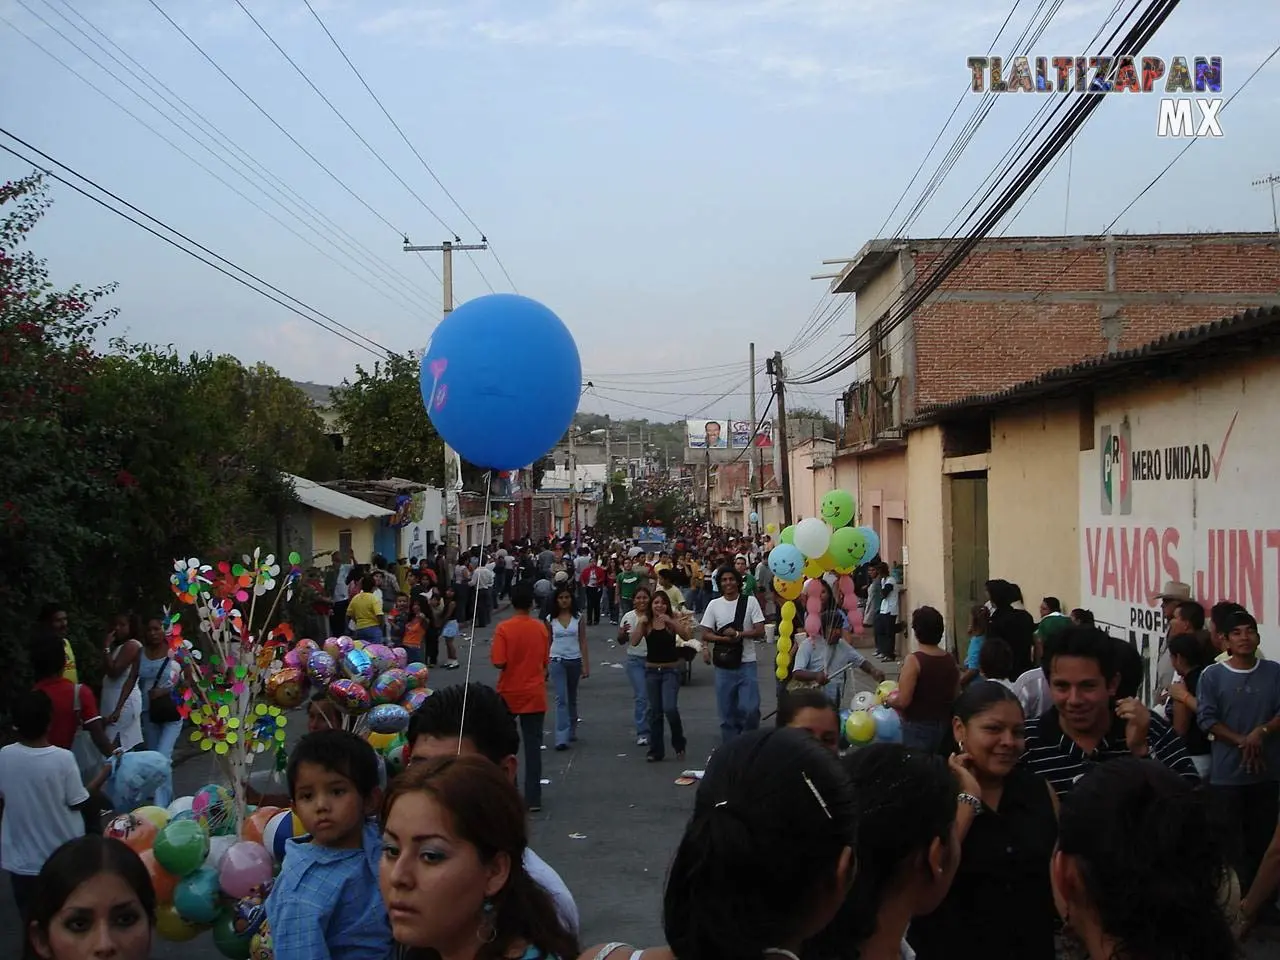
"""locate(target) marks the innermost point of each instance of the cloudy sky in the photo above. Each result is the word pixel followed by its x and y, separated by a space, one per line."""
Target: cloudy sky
pixel 665 175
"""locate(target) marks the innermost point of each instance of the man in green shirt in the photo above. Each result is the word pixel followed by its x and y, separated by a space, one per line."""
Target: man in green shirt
pixel 628 580
pixel 748 578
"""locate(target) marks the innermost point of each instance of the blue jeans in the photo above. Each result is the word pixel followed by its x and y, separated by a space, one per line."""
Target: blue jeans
pixel 565 675
pixel 737 700
pixel 923 735
pixel 371 635
pixel 664 694
pixel 640 691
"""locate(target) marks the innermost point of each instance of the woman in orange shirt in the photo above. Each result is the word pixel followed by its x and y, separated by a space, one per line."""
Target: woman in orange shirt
pixel 521 651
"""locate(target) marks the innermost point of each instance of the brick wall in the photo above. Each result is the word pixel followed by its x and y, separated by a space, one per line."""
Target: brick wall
pixel 980 342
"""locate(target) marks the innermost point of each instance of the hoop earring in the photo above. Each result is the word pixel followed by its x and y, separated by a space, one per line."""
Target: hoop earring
pixel 487 931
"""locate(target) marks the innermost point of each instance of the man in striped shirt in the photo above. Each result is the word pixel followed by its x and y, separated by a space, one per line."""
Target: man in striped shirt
pixel 1086 725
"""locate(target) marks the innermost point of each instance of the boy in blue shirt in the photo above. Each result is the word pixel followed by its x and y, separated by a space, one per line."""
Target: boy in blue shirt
pixel 326 903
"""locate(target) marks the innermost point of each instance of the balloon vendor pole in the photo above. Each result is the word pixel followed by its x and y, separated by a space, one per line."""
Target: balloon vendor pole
pixel 772 713
pixel 227 671
pixel 475 607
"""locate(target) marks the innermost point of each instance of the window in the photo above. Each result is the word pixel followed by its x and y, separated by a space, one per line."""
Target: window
pixel 344 544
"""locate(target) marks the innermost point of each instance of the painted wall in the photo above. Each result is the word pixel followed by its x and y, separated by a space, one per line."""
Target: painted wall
pixel 1032 478
pixel 416 536
pixel 873 300
pixel 1181 485
pixel 928 526
pixel 325 531
pixel 808 485
pixel 881 497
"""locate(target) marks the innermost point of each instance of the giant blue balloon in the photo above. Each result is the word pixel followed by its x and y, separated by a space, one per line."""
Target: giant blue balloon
pixel 500 380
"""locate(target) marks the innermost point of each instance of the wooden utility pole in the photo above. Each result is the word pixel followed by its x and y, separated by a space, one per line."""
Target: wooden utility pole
pixel 608 459
pixel 1270 181
pixel 452 476
pixel 751 439
pixel 784 462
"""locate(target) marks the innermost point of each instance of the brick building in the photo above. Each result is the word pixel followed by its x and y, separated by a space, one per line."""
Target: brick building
pixel 1016 307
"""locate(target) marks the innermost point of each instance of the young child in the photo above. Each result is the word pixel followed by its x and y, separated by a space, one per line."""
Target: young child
pixel 325 902
pixel 43 796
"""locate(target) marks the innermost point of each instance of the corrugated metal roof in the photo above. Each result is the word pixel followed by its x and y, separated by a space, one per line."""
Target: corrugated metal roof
pixel 1169 346
pixel 335 504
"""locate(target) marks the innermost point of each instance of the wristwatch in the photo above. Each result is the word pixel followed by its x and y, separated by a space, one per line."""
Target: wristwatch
pixel 971 800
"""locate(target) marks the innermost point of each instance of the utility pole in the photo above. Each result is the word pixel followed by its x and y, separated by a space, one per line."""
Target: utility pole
pixel 1270 181
pixel 573 487
pixel 709 517
pixel 452 465
pixel 751 438
pixel 784 461
pixel 608 459
pixel 630 476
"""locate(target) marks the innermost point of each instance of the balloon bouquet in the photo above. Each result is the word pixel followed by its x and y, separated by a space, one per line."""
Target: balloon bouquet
pixel 805 553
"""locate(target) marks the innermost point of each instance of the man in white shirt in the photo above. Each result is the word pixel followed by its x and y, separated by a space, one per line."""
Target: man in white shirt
pixel 737 686
pixel 887 617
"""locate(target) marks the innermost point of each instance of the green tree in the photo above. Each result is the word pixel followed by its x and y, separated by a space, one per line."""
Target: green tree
pixel 387 431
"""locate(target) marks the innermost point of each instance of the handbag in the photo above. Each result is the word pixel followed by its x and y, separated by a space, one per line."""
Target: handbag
pixel 728 656
pixel 161 709
pixel 88 758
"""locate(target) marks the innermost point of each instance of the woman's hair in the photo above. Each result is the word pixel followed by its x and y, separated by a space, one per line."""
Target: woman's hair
pixel 645 590
pixel 806 698
pixel 995 659
pixel 660 594
pixel 1149 864
pixel 905 801
pixel 832 622
pixel 564 589
pixel 1189 646
pixel 928 626
pixel 1082 617
pixel 74 863
pixel 774 807
pixel 980 696
pixel 486 811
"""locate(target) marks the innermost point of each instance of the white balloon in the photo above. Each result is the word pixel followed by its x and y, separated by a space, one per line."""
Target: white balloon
pixel 812 537
pixel 181 805
pixel 865 700
pixel 218 847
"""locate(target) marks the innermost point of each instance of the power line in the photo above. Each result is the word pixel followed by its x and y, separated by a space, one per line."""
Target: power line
pixel 426 166
pixel 275 123
pixel 380 352
pixel 385 274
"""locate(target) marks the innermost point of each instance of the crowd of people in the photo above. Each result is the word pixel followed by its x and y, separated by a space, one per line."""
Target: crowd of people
pixel 1045 800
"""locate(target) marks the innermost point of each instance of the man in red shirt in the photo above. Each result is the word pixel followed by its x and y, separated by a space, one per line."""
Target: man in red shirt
pixel 593 578
pixel 47 663
pixel 521 650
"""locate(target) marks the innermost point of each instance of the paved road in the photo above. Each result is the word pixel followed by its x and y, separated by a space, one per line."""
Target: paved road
pixel 610 822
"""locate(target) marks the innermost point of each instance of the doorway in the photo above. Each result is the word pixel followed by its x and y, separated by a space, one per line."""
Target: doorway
pixel 969 553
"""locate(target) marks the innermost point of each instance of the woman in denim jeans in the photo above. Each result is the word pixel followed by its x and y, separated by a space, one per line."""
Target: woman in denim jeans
pixel 569 661
pixel 663 667
pixel 631 637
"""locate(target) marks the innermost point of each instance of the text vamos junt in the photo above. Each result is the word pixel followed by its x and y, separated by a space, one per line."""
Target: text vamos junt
pixel 1181 113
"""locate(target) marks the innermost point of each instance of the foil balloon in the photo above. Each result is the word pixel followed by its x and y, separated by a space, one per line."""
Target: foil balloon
pixel 390 686
pixel 350 696
pixel 383 658
pixel 416 675
pixel 330 646
pixel 291 659
pixel 415 699
pixel 322 668
pixel 337 646
pixel 286 687
pixel 250 911
pixel 388 718
pixel 261 946
pixel 402 656
pixel 129 828
pixel 358 665
pixel 304 648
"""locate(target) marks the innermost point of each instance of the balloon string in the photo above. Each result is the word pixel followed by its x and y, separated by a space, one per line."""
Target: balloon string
pixel 475 606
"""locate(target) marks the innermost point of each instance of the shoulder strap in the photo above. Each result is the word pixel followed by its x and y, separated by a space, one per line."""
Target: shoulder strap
pixel 740 614
pixel 75 703
pixel 609 948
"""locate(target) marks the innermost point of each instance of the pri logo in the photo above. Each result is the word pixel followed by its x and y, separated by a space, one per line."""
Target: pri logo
pixel 1117 481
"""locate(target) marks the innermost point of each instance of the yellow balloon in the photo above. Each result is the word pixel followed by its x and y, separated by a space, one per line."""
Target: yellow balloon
pixel 771 527
pixel 782 660
pixel 860 728
pixel 844 571
pixel 788 589
pixel 784 646
pixel 813 569
pixel 886 689
pixel 379 741
pixel 781 673
pixel 788 615
pixel 159 816
pixel 170 926
pixel 827 561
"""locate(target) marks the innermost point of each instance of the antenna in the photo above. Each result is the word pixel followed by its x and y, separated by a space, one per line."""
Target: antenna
pixel 1270 181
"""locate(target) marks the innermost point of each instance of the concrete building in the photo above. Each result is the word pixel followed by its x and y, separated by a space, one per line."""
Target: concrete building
pixel 1100 480
pixel 1016 308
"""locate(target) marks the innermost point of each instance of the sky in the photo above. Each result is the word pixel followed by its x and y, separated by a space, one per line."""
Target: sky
pixel 666 176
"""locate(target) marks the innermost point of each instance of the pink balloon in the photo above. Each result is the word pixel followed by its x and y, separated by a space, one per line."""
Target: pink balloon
pixel 813 624
pixel 244 866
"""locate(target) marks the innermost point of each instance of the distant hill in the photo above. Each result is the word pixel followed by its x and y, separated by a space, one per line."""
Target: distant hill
pixel 318 393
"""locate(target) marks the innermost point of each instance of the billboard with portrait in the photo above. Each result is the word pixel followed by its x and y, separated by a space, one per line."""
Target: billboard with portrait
pixel 707 434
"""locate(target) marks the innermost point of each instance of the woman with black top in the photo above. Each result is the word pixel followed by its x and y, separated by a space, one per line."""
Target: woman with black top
pixel 1188 657
pixel 663 667
pixel 1016 627
pixel 1001 903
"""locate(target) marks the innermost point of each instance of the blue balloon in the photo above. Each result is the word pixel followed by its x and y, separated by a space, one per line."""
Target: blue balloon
pixel 501 380
pixel 787 562
pixel 888 725
pixel 755 517
pixel 196 896
pixel 873 543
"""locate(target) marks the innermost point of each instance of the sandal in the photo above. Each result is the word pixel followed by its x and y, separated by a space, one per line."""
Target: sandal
pixel 650 758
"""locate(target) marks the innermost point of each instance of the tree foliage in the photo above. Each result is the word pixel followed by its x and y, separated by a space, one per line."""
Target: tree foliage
pixel 114 463
pixel 647 502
